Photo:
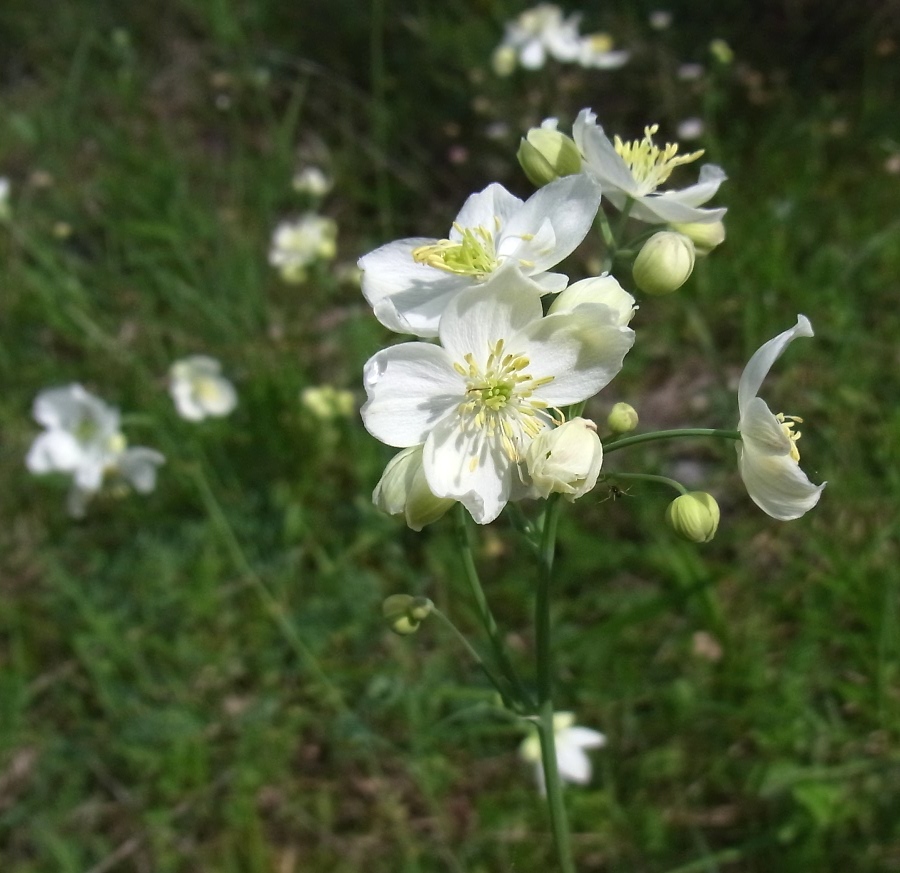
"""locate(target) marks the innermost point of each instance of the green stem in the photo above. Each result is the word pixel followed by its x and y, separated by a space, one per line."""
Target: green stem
pixel 520 693
pixel 649 477
pixel 543 640
pixel 475 656
pixel 625 442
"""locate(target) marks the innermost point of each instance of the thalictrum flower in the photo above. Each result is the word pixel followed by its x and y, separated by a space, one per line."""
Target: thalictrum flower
pixel 534 36
pixel 82 439
pixel 410 282
pixel 296 245
pixel 565 460
pixel 596 51
pixel 635 170
pixel 571 741
pixel 199 389
pixel 477 400
pixel 768 458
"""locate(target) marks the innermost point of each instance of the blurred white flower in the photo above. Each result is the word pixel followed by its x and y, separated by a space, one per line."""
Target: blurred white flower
pixel 82 439
pixel 410 282
pixel 660 19
pixel 312 181
pixel 571 741
pixel 325 402
pixel 690 72
pixel 537 34
pixel 199 389
pixel 596 51
pixel 768 458
pixel 298 244
pixel 690 128
pixel 632 171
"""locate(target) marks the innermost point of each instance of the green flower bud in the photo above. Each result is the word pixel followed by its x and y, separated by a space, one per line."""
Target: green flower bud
pixel 404 613
pixel 546 154
pixel 622 418
pixel 664 263
pixel 694 516
pixel 704 235
pixel 403 491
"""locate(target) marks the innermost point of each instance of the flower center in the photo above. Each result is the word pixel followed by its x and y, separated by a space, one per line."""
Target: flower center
pixel 473 255
pixel 649 164
pixel 788 423
pixel 499 400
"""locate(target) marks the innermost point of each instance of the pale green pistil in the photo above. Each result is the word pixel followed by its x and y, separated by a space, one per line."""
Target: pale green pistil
pixel 473 255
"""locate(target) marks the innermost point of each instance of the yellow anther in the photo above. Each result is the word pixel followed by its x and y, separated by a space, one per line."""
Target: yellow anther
pixel 649 164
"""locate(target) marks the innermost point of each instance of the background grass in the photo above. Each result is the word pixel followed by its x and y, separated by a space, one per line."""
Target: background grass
pixel 199 679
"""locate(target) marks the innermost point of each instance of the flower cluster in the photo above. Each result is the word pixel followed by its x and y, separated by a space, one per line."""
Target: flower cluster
pixel 543 32
pixel 491 412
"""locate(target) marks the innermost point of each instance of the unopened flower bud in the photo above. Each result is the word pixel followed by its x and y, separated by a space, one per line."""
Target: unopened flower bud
pixel 403 491
pixel 598 289
pixel 404 613
pixel 705 235
pixel 664 263
pixel 546 154
pixel 623 418
pixel 566 459
pixel 694 516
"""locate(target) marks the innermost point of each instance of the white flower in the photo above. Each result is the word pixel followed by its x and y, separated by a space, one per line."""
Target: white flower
pixel 410 282
pixel 634 170
pixel 596 52
pixel 566 459
pixel 312 181
pixel 82 438
pixel 603 289
pixel 298 244
pixel 477 400
pixel 199 390
pixel 536 34
pixel 768 459
pixel 571 741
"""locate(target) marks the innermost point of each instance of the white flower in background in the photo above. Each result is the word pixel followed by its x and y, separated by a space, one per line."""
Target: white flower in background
pixel 634 170
pixel 199 389
pixel 312 181
pixel 5 210
pixel 690 72
pixel 534 36
pixel 571 741
pixel 478 400
pixel 768 458
pixel 565 460
pixel 660 19
pixel 325 402
pixel 690 128
pixel 82 439
pixel 409 283
pixel 296 245
pixel 596 52
pixel 605 290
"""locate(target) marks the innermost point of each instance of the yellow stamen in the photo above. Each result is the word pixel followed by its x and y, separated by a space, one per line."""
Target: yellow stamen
pixel 649 164
pixel 473 255
pixel 788 423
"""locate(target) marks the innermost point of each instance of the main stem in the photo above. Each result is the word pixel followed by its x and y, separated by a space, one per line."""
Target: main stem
pixel 558 820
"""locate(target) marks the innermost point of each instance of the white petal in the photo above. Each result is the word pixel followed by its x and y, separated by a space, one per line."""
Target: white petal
pixel 220 398
pixel 581 349
pixel 138 466
pixel 762 431
pixel 585 738
pixel 574 765
pixel 487 208
pixel 664 207
pixel 759 365
pixel 550 283
pixel 54 451
pixel 406 296
pixel 89 474
pixel 599 289
pixel 411 387
pixel 711 177
pixel 570 204
pixel 602 161
pixel 776 484
pixel 532 55
pixel 469 468
pixel 185 402
pixel 498 309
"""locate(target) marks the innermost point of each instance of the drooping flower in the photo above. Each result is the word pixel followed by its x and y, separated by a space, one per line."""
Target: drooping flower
pixel 296 245
pixel 477 400
pixel 199 389
pixel 635 170
pixel 82 439
pixel 537 34
pixel 409 283
pixel 596 51
pixel 768 458
pixel 571 740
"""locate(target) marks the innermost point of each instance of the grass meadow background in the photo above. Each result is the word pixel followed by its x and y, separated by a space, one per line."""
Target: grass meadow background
pixel 199 679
